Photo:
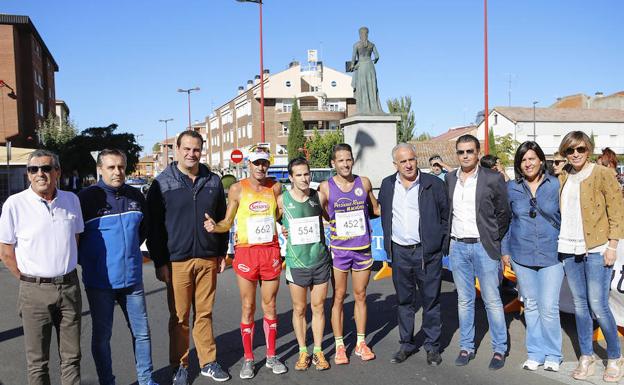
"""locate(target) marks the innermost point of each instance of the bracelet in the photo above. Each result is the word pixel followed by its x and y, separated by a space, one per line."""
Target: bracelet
pixel 611 248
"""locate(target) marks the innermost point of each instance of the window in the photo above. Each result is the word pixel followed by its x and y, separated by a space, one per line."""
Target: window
pixel 249 132
pixel 284 129
pixel 287 83
pixel 333 106
pixel 333 125
pixel 287 106
pixel 333 83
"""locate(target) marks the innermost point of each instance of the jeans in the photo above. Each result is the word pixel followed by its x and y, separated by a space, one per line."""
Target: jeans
pixel 469 261
pixel 539 288
pixel 131 300
pixel 589 280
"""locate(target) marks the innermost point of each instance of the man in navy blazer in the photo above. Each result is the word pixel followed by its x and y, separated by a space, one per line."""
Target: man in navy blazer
pixel 414 217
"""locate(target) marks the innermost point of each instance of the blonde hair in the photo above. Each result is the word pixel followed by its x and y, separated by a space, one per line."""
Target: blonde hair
pixel 576 137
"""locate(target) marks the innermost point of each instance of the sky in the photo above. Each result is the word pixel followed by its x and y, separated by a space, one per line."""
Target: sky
pixel 122 61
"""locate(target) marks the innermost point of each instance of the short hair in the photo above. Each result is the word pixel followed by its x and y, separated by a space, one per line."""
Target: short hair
pixel 488 161
pixel 113 152
pixel 521 152
pixel 434 156
pixel 399 146
pixel 467 138
pixel 299 161
pixel 608 158
pixel 192 134
pixel 365 29
pixel 56 163
pixel 573 138
pixel 341 147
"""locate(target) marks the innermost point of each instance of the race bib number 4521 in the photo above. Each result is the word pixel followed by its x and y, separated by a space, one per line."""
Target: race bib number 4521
pixel 304 230
pixel 260 229
pixel 350 224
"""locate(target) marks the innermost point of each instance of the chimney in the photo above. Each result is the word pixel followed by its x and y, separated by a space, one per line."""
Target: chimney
pixel 293 63
pixel 250 84
pixel 266 74
pixel 240 89
pixel 256 79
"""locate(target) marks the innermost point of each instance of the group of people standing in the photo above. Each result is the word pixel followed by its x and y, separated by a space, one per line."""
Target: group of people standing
pixel 540 225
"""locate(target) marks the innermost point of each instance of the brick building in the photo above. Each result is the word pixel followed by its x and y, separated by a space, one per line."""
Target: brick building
pixel 27 67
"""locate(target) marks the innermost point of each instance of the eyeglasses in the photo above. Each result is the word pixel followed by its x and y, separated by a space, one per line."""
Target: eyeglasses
pixel 558 162
pixel 469 152
pixel 533 209
pixel 46 168
pixel 579 149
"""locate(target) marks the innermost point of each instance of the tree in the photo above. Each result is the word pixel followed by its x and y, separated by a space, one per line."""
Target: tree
pixel 505 147
pixel 76 154
pixel 422 137
pixel 156 148
pixel 403 107
pixel 491 142
pixel 54 135
pixel 296 139
pixel 320 147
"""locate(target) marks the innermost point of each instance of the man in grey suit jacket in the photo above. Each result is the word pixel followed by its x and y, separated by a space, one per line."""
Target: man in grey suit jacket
pixel 479 217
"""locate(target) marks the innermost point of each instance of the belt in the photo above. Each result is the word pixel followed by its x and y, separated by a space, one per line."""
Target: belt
pixel 466 240
pixel 410 247
pixel 67 278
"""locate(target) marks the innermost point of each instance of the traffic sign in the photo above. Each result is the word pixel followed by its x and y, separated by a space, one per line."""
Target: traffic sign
pixel 236 156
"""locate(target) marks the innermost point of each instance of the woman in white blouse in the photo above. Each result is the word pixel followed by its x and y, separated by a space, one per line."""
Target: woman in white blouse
pixel 592 222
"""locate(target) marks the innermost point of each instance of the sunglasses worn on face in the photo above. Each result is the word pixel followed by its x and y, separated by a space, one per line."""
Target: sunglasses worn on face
pixel 579 149
pixel 46 168
pixel 469 152
pixel 558 162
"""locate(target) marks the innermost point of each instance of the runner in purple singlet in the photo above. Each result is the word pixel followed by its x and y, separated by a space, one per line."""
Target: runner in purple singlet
pixel 350 200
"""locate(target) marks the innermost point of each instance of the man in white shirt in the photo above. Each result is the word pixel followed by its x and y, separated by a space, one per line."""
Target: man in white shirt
pixel 479 218
pixel 39 230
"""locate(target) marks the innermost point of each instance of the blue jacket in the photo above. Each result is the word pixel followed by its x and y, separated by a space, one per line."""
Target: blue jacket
pixel 110 246
pixel 434 213
pixel 177 208
pixel 533 241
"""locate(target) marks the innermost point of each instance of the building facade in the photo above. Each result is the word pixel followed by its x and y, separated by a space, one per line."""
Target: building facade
pixel 323 94
pixel 27 67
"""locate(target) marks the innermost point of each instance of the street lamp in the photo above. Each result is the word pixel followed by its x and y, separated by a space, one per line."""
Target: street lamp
pixel 4 129
pixel 166 137
pixel 188 93
pixel 534 137
pixel 259 2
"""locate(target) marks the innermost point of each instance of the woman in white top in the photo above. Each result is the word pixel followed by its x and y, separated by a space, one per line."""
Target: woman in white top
pixel 592 211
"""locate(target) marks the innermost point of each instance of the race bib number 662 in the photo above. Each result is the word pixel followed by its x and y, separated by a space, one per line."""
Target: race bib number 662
pixel 260 229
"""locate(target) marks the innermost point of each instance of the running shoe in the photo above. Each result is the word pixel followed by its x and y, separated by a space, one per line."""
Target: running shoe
pixel 364 352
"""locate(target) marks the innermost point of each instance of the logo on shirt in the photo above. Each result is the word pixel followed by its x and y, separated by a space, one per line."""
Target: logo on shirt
pixel 359 192
pixel 134 206
pixel 291 206
pixel 312 203
pixel 259 206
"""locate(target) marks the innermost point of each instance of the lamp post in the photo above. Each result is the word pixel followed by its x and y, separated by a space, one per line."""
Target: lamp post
pixel 7 142
pixel 166 137
pixel 259 2
pixel 485 70
pixel 534 137
pixel 188 93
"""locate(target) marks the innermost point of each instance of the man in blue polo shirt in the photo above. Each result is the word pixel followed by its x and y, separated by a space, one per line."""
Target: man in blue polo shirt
pixel 112 264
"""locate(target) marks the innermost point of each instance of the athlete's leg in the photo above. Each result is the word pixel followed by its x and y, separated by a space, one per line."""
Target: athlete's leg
pixel 299 301
pixel 248 308
pixel 318 294
pixel 359 281
pixel 339 281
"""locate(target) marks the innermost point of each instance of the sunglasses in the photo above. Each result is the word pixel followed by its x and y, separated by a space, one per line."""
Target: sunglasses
pixel 533 209
pixel 579 149
pixel 469 152
pixel 558 162
pixel 46 168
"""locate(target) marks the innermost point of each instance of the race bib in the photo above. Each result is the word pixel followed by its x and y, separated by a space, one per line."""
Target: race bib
pixel 350 224
pixel 260 229
pixel 303 231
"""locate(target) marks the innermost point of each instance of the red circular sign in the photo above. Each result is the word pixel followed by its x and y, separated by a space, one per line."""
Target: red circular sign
pixel 236 156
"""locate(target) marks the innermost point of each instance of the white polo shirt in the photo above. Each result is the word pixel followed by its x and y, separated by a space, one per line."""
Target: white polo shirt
pixel 44 234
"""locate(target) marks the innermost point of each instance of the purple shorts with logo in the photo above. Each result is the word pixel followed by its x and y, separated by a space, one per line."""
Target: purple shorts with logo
pixel 345 260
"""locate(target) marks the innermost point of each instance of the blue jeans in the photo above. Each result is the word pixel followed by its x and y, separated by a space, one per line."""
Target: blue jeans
pixel 131 300
pixel 589 280
pixel 539 288
pixel 469 261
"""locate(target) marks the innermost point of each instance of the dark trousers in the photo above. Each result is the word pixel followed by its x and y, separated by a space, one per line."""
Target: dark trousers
pixel 411 283
pixel 47 306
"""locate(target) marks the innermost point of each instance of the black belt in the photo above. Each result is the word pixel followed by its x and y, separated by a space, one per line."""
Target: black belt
pixel 410 247
pixel 466 240
pixel 67 278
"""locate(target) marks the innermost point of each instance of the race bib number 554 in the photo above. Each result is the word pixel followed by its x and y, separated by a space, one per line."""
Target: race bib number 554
pixel 350 224
pixel 260 229
pixel 304 230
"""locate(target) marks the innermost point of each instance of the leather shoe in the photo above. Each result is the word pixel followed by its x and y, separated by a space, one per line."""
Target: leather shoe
pixel 433 358
pixel 463 358
pixel 497 362
pixel 400 356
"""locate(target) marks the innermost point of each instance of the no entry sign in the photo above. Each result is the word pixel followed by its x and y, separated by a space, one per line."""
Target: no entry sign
pixel 236 156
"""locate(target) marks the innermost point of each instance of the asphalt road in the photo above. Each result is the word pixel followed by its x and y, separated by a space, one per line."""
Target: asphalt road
pixel 382 335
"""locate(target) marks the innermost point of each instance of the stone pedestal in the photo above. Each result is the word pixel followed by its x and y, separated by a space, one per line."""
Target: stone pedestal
pixel 372 138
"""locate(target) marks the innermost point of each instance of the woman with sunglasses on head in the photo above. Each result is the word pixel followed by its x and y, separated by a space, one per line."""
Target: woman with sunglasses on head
pixel 592 222
pixel 530 246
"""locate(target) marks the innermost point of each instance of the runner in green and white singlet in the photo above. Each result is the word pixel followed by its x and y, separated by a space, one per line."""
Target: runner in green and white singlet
pixel 308 264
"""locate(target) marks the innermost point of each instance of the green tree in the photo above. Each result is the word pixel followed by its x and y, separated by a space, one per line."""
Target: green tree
pixel 403 107
pixel 156 147
pixel 54 135
pixel 296 138
pixel 505 147
pixel 320 147
pixel 423 137
pixel 491 142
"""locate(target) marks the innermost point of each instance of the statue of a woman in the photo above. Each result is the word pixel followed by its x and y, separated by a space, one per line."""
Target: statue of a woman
pixel 364 80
